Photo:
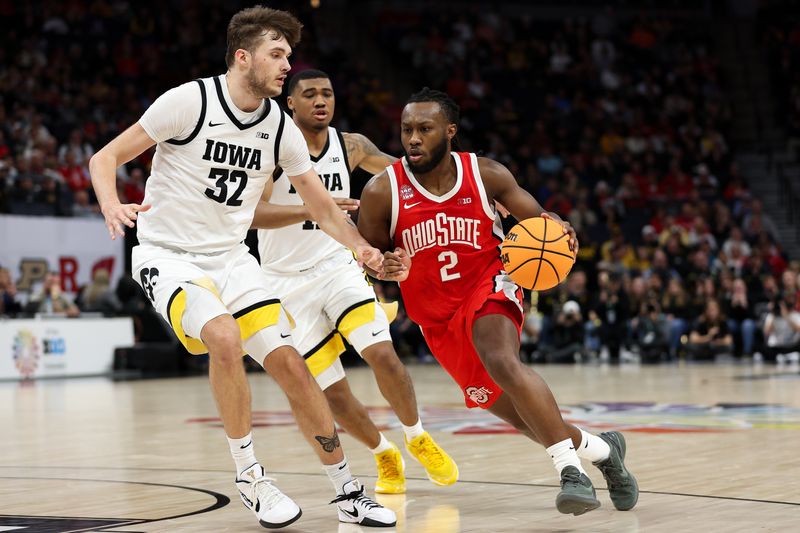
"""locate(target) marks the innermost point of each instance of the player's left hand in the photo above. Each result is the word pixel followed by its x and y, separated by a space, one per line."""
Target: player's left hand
pixel 396 265
pixel 370 257
pixel 568 229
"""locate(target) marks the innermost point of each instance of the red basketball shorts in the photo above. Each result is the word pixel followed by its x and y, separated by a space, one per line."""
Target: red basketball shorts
pixel 451 342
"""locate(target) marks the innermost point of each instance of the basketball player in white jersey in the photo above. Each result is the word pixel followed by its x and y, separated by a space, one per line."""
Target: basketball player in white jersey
pixel 328 295
pixel 218 142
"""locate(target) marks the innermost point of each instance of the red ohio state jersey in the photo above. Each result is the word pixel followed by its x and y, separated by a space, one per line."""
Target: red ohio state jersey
pixel 452 239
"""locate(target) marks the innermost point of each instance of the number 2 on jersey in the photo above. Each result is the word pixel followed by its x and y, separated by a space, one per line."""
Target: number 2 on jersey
pixel 446 270
pixel 222 176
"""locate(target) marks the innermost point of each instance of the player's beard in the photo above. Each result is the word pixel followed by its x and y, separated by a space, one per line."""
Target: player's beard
pixel 260 87
pixel 437 154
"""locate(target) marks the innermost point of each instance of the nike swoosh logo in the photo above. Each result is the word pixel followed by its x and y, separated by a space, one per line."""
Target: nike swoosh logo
pixel 353 513
pixel 246 445
pixel 212 124
pixel 376 333
pixel 285 336
pixel 409 206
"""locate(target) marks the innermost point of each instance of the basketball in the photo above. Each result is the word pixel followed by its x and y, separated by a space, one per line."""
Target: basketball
pixel 536 254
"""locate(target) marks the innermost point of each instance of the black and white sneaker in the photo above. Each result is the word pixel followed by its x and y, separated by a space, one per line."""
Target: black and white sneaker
pixel 273 508
pixel 355 508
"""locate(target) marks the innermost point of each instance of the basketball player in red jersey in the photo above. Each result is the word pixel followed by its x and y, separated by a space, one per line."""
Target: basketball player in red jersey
pixel 434 207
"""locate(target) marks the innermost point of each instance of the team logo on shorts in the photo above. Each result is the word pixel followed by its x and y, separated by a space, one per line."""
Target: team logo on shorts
pixel 478 394
pixel 406 192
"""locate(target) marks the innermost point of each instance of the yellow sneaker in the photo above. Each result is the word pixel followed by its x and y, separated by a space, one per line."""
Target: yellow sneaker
pixel 440 467
pixel 391 479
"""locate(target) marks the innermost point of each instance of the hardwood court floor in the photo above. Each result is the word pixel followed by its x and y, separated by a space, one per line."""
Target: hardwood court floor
pixel 714 449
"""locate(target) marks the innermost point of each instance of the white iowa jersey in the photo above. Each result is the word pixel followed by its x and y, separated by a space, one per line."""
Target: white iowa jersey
pixel 204 186
pixel 301 246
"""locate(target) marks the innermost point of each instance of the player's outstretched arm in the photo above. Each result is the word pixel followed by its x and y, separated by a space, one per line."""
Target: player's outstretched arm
pixel 362 153
pixel 374 219
pixel 103 169
pixel 501 186
pixel 271 216
pixel 328 215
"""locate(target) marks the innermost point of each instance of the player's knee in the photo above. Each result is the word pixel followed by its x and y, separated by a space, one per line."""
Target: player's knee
pixel 222 338
pixel 384 358
pixel 338 398
pixel 294 374
pixel 503 368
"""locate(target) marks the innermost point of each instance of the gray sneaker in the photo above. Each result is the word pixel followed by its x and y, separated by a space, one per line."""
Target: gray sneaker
pixel 622 486
pixel 577 494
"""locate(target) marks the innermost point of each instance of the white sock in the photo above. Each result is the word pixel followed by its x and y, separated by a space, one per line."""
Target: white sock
pixel 382 446
pixel 339 474
pixel 242 452
pixel 412 432
pixel 563 454
pixel 593 448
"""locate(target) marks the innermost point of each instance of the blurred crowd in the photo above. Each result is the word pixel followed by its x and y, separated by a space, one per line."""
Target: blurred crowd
pixel 780 32
pixel 619 125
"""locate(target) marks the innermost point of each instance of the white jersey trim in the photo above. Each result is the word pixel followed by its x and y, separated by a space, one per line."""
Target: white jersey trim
pixel 479 183
pixel 395 199
pixel 429 195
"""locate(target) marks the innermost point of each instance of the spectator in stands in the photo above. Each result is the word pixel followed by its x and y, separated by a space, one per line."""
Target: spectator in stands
pixel 610 312
pixel 675 305
pixel 567 335
pixel 649 333
pixel 97 296
pixel 531 328
pixel 79 150
pixel 782 330
pixel 710 335
pixel 9 304
pixel 741 317
pixel 50 300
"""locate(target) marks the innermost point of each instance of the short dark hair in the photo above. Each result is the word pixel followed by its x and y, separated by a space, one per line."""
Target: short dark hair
pixel 248 26
pixel 448 105
pixel 308 74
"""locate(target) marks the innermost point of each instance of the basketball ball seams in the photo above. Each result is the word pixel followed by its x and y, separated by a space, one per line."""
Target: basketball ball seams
pixel 518 251
pixel 537 239
pixel 541 254
pixel 523 247
pixel 555 270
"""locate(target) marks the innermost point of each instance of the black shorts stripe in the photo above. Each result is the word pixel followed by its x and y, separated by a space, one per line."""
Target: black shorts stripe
pixel 255 306
pixel 320 344
pixel 172 299
pixel 352 307
pixel 200 121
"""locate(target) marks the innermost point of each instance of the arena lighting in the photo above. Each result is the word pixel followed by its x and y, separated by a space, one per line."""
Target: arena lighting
pixel 314 3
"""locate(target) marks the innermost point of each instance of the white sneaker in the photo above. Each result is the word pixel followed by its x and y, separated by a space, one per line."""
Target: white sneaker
pixel 355 508
pixel 273 508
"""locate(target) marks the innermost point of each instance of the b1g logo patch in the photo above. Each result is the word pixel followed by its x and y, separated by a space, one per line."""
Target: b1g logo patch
pixel 478 395
pixel 406 192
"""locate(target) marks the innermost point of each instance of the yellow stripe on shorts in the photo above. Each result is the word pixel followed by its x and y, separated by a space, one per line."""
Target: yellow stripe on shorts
pixel 259 316
pixel 323 355
pixel 175 309
pixel 356 316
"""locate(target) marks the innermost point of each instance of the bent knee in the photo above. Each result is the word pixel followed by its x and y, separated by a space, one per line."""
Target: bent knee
pixel 222 338
pixel 504 367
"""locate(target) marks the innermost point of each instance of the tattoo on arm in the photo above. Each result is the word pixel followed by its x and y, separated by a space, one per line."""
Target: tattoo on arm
pixel 358 147
pixel 329 444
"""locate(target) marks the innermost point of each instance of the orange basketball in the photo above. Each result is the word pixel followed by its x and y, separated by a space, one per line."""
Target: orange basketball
pixel 536 254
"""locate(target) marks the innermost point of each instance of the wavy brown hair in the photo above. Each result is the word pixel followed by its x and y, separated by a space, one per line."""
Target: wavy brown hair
pixel 249 26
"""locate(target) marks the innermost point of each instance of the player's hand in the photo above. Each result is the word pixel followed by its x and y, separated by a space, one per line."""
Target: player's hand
pixel 396 265
pixel 370 257
pixel 347 204
pixel 501 209
pixel 568 229
pixel 118 215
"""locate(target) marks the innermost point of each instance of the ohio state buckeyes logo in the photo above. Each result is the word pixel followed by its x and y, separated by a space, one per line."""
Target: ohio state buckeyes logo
pixel 478 394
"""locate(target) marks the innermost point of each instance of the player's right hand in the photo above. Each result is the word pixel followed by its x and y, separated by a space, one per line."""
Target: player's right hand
pixel 396 265
pixel 117 215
